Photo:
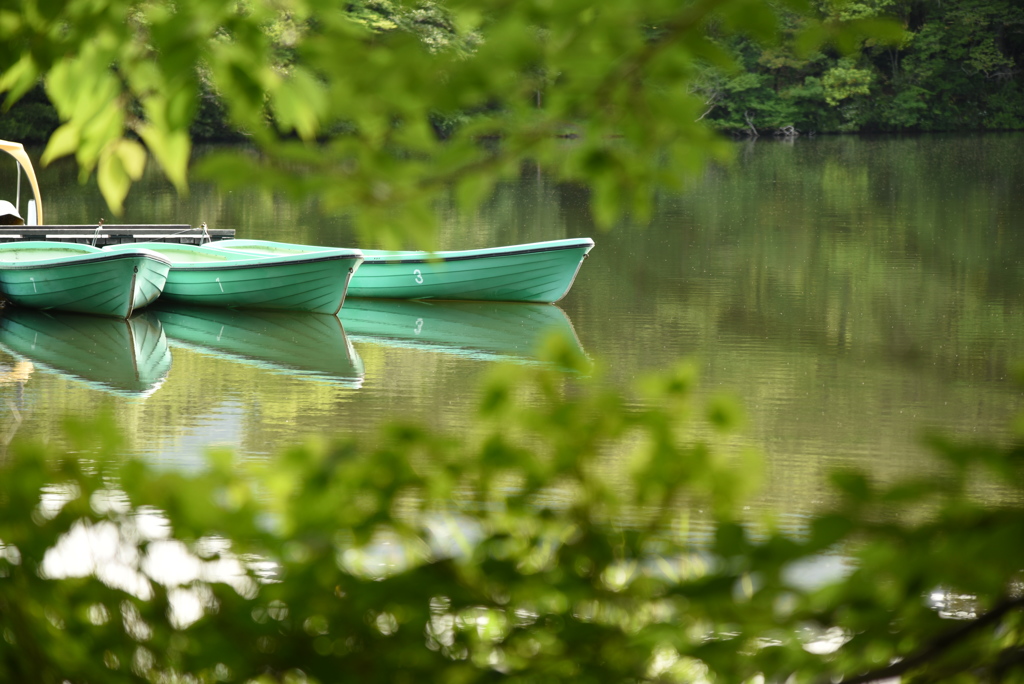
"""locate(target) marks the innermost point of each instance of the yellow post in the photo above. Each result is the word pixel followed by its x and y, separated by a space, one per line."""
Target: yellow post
pixel 17 151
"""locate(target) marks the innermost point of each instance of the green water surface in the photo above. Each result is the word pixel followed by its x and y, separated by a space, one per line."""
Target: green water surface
pixel 850 292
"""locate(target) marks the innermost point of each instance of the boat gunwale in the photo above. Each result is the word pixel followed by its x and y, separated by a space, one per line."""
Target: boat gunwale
pixel 513 250
pixel 236 259
pixel 79 260
pixel 373 256
pixel 262 262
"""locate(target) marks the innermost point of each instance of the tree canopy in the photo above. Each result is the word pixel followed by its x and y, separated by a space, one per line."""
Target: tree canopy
pixel 344 101
pixel 955 66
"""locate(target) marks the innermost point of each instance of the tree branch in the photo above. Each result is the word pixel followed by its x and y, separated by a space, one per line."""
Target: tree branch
pixel 750 124
pixel 940 644
pixel 712 102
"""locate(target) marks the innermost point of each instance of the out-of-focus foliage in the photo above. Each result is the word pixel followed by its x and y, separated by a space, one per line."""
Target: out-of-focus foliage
pixel 514 554
pixel 32 121
pixel 400 95
pixel 386 82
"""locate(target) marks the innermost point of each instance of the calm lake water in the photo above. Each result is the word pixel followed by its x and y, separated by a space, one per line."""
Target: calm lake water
pixel 850 292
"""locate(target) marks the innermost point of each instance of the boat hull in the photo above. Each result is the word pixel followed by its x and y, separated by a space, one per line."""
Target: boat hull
pixel 150 282
pixel 78 278
pixel 540 272
pixel 204 276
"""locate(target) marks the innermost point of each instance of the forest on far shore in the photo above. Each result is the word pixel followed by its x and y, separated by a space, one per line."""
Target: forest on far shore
pixel 956 68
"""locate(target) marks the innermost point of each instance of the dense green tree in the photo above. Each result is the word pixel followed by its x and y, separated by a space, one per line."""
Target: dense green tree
pixel 967 59
pixel 955 66
pixel 33 121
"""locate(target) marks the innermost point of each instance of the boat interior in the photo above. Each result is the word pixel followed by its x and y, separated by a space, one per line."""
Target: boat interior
pixel 181 253
pixel 58 250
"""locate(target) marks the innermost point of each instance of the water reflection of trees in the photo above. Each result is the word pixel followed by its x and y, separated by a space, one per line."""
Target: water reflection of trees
pixel 831 284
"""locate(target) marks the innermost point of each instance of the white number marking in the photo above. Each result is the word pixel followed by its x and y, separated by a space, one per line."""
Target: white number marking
pixel 419 326
pixel 419 276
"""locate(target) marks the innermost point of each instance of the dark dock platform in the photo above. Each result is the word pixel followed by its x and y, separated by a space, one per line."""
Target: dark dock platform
pixel 114 234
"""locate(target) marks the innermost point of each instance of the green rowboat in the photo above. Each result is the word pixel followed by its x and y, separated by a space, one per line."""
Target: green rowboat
pixel 537 272
pixel 80 278
pixel 206 276
pixel 308 345
pixel 124 357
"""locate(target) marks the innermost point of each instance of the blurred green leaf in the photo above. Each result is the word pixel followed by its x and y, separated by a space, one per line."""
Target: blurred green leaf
pixel 429 556
pixel 63 142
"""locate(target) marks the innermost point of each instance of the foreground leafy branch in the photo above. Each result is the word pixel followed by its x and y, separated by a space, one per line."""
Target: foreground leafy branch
pixel 342 101
pixel 580 535
pixel 937 649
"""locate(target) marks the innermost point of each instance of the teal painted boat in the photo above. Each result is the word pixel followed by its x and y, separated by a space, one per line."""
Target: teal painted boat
pixel 308 345
pixel 491 331
pixel 206 276
pixel 537 272
pixel 123 357
pixel 80 278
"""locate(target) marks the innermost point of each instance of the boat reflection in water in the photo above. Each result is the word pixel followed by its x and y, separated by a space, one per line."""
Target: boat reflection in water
pixel 124 357
pixel 295 343
pixel 494 331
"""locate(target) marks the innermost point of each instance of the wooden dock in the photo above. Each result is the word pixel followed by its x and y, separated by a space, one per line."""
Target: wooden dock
pixel 114 234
